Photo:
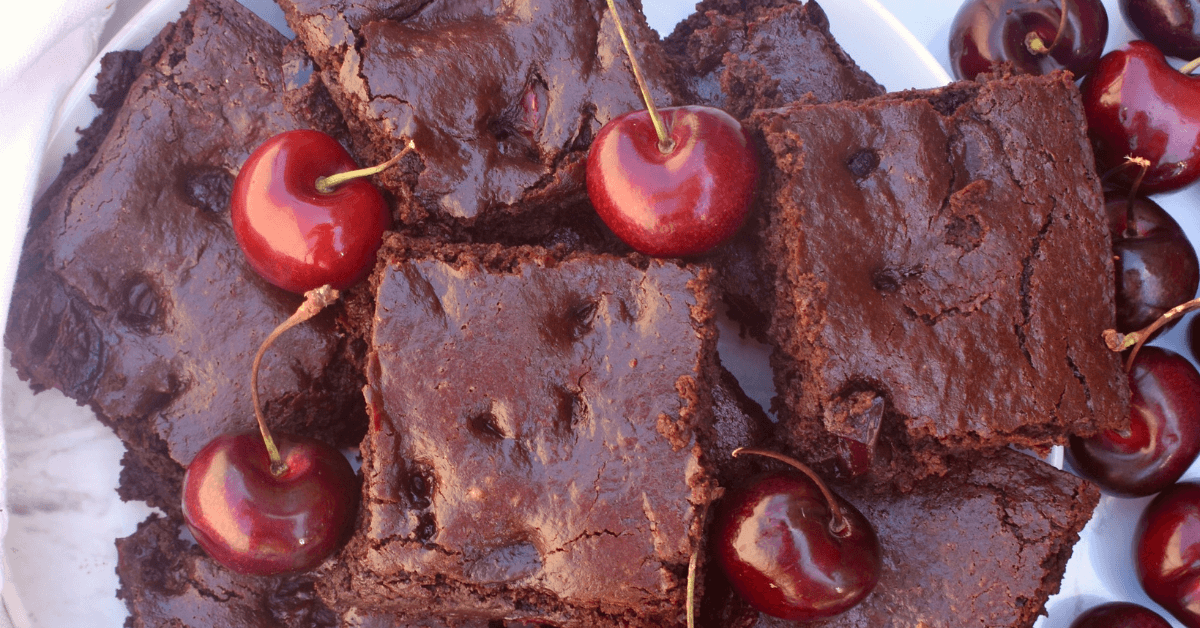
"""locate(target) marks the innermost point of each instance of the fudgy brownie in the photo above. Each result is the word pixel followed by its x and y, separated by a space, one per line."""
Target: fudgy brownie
pixel 941 264
pixel 537 447
pixel 132 295
pixel 501 98
pixel 984 545
pixel 742 55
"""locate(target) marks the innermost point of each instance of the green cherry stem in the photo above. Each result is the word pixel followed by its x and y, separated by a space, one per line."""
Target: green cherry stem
pixel 326 185
pixel 314 301
pixel 691 589
pixel 665 143
pixel 1191 66
pixel 837 521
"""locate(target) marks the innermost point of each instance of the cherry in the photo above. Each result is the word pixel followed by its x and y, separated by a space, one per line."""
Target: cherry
pixel 1036 37
pixel 1173 26
pixel 675 182
pixel 263 509
pixel 255 521
pixel 1119 615
pixel 1138 105
pixel 1156 266
pixel 299 226
pixel 792 548
pixel 1167 551
pixel 1163 438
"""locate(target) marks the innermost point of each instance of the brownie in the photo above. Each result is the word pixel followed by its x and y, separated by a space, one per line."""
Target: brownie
pixel 984 545
pixel 741 55
pixel 132 296
pixel 942 272
pixel 501 98
pixel 537 450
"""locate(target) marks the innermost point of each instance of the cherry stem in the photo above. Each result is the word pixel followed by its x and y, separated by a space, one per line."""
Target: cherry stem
pixel 1116 341
pixel 314 301
pixel 665 143
pixel 326 185
pixel 1137 182
pixel 1034 42
pixel 837 523
pixel 691 590
pixel 1191 66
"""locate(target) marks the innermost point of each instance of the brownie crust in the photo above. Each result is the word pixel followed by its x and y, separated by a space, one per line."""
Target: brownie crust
pixel 942 274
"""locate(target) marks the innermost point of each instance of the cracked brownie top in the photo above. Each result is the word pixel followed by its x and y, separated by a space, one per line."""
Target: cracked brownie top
pixel 501 97
pixel 537 436
pixel 940 277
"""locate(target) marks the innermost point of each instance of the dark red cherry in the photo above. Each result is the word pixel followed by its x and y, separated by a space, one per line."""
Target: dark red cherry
pixel 256 522
pixel 1119 615
pixel 679 202
pixel 1156 266
pixel 789 554
pixel 1035 36
pixel 1163 438
pixel 295 236
pixel 1167 551
pixel 1138 105
pixel 1173 26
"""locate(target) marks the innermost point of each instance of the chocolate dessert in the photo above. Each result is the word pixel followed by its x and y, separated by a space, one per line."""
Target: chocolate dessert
pixel 939 262
pixel 537 441
pixel 986 544
pixel 547 426
pixel 742 55
pixel 132 295
pixel 501 98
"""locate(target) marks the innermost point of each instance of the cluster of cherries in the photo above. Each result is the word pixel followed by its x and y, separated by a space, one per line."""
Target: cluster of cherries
pixel 1144 123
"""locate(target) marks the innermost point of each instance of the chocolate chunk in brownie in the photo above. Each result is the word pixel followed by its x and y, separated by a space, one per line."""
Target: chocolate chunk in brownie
pixel 942 273
pixel 501 98
pixel 133 296
pixel 986 544
pixel 537 447
pixel 741 55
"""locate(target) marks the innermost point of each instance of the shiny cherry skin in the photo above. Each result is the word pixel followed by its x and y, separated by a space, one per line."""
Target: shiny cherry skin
pixel 1156 266
pixel 679 203
pixel 773 540
pixel 1167 551
pixel 1173 26
pixel 254 522
pixel 987 32
pixel 1163 438
pixel 1138 105
pixel 1119 615
pixel 294 236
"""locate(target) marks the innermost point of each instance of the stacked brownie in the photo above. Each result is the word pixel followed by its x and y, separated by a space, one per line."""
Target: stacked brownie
pixel 546 418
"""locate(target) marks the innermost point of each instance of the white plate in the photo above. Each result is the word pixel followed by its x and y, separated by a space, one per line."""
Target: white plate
pixel 64 513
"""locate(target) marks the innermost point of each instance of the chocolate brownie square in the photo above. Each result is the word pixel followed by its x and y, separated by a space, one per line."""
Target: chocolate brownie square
pixel 501 99
pixel 741 55
pixel 132 295
pixel 984 545
pixel 942 273
pixel 537 447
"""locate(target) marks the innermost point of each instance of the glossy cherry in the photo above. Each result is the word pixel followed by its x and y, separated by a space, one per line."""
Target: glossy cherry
pixel 1163 438
pixel 1035 36
pixel 256 522
pixel 1167 551
pixel 295 236
pixel 1156 266
pixel 792 553
pixel 1119 615
pixel 1138 105
pixel 1173 26
pixel 265 506
pixel 679 202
